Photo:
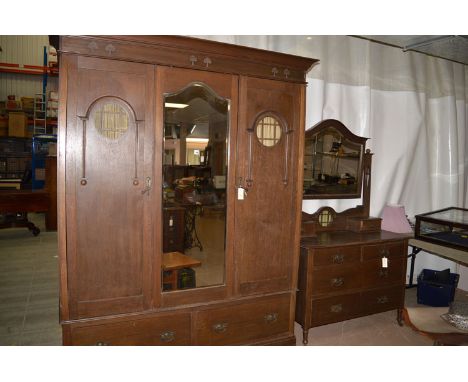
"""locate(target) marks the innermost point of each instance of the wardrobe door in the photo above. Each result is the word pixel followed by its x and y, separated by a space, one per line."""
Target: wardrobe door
pixel 109 186
pixel 267 212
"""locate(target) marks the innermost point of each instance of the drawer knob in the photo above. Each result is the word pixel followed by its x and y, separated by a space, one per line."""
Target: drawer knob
pixel 220 327
pixel 271 317
pixel 102 344
pixel 337 281
pixel 168 336
pixel 382 300
pixel 338 259
pixel 336 308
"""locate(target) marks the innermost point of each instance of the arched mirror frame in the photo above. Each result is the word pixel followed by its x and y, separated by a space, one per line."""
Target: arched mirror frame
pixel 199 206
pixel 310 156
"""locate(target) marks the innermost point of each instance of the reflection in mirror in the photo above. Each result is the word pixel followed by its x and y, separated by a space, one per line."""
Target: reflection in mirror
pixel 194 188
pixel 332 164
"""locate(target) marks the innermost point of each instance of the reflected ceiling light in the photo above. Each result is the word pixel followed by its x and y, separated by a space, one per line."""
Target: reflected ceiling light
pixel 193 128
pixel 176 105
pixel 197 140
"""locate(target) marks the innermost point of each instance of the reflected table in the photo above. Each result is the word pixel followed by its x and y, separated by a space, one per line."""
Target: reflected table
pixel 172 262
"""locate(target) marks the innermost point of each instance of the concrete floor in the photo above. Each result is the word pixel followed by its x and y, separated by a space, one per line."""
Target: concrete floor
pixel 29 300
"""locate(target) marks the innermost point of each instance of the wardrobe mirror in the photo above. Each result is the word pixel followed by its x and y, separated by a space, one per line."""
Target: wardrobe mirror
pixel 194 188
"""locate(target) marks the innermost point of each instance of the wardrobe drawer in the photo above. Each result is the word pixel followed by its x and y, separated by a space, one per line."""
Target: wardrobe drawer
pixel 380 300
pixel 243 323
pixel 334 309
pixel 171 329
pixel 334 279
pixel 374 275
pixel 389 250
pixel 337 255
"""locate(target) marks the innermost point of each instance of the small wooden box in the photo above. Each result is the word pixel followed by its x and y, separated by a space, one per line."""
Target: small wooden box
pixel 17 124
pixel 369 224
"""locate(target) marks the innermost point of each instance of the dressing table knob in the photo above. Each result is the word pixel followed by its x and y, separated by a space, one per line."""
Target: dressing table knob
pixel 168 336
pixel 220 328
pixel 271 317
pixel 338 259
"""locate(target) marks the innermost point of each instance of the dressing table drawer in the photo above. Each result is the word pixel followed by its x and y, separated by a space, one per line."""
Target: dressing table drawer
pixel 388 249
pixel 337 255
pixel 243 323
pixel 383 299
pixel 171 329
pixel 334 309
pixel 335 279
pixel 374 275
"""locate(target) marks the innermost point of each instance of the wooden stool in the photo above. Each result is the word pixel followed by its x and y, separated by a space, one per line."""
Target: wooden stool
pixel 172 262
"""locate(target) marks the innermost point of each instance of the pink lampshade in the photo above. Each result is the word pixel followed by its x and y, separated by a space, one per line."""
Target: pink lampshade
pixel 394 219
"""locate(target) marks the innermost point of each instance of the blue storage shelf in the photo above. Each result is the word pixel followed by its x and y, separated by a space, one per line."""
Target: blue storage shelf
pixel 40 150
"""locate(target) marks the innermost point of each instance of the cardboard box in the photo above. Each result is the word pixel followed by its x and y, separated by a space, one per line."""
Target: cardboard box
pixel 52 148
pixel 27 103
pixel 17 124
pixel 3 126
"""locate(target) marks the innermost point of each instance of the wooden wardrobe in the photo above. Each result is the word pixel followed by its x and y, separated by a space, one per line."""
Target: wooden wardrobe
pixel 115 125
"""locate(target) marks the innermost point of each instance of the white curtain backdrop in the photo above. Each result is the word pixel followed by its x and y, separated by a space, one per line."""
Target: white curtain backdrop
pixel 412 107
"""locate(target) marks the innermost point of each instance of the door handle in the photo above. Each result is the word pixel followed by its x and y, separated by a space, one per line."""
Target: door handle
pixel 147 185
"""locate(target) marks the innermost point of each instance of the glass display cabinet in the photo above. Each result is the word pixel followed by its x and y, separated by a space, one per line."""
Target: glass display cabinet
pixel 448 227
pixel 333 158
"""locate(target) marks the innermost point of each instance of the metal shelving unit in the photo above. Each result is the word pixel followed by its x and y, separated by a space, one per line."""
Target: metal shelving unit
pixel 40 149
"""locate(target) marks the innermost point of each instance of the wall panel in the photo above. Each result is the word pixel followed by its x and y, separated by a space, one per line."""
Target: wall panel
pixel 25 50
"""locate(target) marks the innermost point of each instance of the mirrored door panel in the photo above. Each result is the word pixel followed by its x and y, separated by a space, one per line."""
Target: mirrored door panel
pixel 195 171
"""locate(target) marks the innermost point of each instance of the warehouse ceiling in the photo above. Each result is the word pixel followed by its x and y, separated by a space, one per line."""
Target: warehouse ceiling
pixel 450 47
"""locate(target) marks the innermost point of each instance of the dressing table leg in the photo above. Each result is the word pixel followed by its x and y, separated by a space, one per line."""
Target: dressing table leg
pixel 400 317
pixel 305 336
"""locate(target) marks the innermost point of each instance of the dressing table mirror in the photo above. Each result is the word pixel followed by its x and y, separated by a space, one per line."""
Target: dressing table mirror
pixel 333 160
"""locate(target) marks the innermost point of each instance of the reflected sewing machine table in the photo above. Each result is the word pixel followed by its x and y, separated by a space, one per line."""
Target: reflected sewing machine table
pixel 172 263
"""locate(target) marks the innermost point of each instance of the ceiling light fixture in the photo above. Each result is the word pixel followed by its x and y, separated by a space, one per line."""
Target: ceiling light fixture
pixel 197 140
pixel 176 105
